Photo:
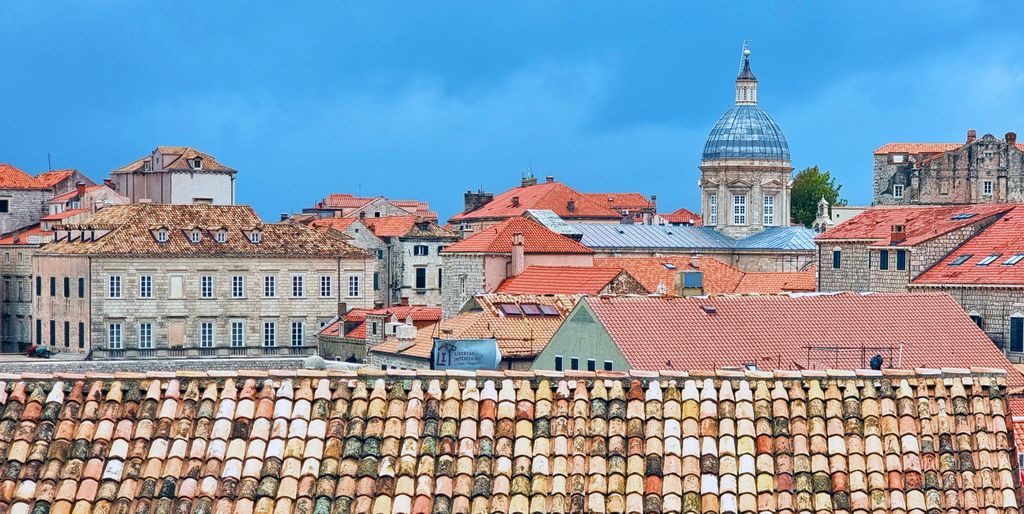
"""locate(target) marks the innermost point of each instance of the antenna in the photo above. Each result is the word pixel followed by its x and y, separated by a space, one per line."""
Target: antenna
pixel 49 165
pixel 744 53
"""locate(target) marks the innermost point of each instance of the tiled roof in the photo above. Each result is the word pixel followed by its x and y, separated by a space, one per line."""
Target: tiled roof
pixel 340 224
pixel 682 215
pixel 621 201
pixel 418 313
pixel 23 236
pixel 182 155
pixel 421 442
pixel 72 194
pixel 518 336
pixel 783 332
pixel 921 223
pixel 349 201
pixel 1003 239
pixel 132 233
pixel 559 280
pixel 536 239
pixel 54 177
pixel 552 196
pixel 332 329
pixel 422 346
pixel 70 213
pixel 916 148
pixel 718 277
pixel 13 178
pixel 405 226
pixel 606 236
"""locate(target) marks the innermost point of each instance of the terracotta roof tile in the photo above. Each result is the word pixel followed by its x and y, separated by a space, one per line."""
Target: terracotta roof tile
pixel 23 236
pixel 987 254
pixel 70 213
pixel 422 346
pixel 559 280
pixel 54 177
pixel 719 277
pixel 774 332
pixel 536 239
pixel 13 178
pixel 921 223
pixel 553 196
pixel 72 194
pixel 405 226
pixel 926 441
pixel 340 224
pixel 621 201
pixel 682 216
pixel 180 162
pixel 916 148
pixel 518 335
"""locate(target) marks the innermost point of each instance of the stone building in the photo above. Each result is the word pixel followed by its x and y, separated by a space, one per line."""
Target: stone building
pixel 979 170
pixel 360 236
pixel 22 199
pixel 63 181
pixel 481 262
pixel 85 198
pixel 349 336
pixel 885 248
pixel 156 280
pixel 745 168
pixel 176 175
pixel 339 205
pixel 16 268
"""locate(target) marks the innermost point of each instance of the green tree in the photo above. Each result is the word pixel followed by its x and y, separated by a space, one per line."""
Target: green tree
pixel 809 186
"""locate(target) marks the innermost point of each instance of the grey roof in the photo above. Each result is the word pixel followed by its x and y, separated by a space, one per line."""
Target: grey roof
pixel 659 237
pixel 746 132
pixel 553 222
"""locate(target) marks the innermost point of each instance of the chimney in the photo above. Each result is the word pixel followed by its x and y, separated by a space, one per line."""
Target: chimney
pixel 110 183
pixel 1011 138
pixel 570 206
pixel 404 302
pixel 899 234
pixel 654 199
pixel 406 335
pixel 515 201
pixel 689 283
pixel 529 180
pixel 342 309
pixel 80 187
pixel 518 255
pixel 474 201
pixel 695 261
pixel 549 179
pixel 971 136
pixel 284 216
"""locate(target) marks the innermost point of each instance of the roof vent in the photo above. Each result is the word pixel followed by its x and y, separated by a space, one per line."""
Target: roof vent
pixel 515 201
pixel 709 309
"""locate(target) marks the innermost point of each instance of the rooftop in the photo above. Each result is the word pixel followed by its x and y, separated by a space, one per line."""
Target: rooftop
pixel 522 324
pixel 13 178
pixel 920 223
pixel 416 442
pixel 919 148
pixel 177 158
pixel 683 216
pixel 54 177
pixel 560 280
pixel 553 196
pixel 536 239
pixel 622 201
pixel 718 277
pixel 634 236
pixel 992 257
pixel 347 201
pixel 33 234
pixel 405 226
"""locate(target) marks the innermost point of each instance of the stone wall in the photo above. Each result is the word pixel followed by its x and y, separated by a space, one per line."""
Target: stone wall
pixel 624 283
pixel 995 305
pixel 755 179
pixel 378 360
pixel 142 366
pixel 363 237
pixel 464 277
pixel 408 262
pixel 16 310
pixel 853 273
pixel 25 207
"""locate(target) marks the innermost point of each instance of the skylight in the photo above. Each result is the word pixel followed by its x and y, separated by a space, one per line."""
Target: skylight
pixel 669 265
pixel 548 310
pixel 960 260
pixel 509 309
pixel 530 309
pixel 964 216
pixel 1017 257
pixel 989 260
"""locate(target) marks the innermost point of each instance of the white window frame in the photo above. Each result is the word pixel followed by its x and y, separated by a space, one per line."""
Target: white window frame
pixel 298 285
pixel 739 209
pixel 161 236
pixel 196 236
pixel 326 286
pixel 238 286
pixel 255 236
pixel 269 286
pixel 416 250
pixel 237 333
pixel 146 335
pixel 769 210
pixel 298 333
pixel 115 336
pixel 114 286
pixel 145 286
pixel 354 286
pixel 897 191
pixel 269 334
pixel 222 236
pixel 206 286
pixel 207 332
pixel 713 209
pixel 986 188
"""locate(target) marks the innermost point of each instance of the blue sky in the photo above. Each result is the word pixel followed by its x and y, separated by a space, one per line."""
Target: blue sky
pixel 428 99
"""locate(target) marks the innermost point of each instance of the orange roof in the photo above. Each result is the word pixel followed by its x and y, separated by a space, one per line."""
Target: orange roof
pixel 72 194
pixel 995 246
pixel 183 155
pixel 422 346
pixel 335 223
pixel 621 201
pixel 536 239
pixel 719 277
pixel 64 215
pixel 54 177
pixel 778 282
pixel 13 178
pixel 920 223
pixel 916 148
pixel 418 313
pixel 22 237
pixel 683 216
pixel 559 280
pixel 563 200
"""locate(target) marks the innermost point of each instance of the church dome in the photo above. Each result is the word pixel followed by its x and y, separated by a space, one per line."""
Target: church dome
pixel 746 132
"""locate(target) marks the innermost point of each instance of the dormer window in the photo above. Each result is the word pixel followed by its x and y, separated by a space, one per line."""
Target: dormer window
pixel 255 236
pixel 197 163
pixel 196 236
pixel 222 236
pixel 161 235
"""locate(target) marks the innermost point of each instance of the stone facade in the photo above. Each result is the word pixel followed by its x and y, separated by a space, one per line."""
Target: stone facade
pixel 24 207
pixel 991 306
pixel 758 182
pixel 380 360
pixel 16 323
pixel 176 175
pixel 77 314
pixel 464 274
pixel 362 237
pixel 984 170
pixel 404 263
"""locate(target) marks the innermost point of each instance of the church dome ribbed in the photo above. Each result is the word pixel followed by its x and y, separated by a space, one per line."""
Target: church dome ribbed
pixel 746 132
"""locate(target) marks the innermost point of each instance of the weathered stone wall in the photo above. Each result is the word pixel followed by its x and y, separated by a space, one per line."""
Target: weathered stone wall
pixel 853 273
pixel 747 260
pixel 25 207
pixel 408 263
pixel 625 284
pixel 464 277
pixel 363 238
pixel 387 360
pixel 995 305
pixel 16 269
pixel 755 179
pixel 142 366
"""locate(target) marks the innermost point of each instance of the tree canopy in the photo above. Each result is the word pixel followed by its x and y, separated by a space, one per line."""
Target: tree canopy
pixel 810 185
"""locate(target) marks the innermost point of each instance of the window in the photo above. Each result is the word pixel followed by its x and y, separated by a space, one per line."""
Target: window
pixel 1017 333
pixel 326 286
pixel 67 287
pixel 146 286
pixel 739 209
pixel 237 334
pixel 986 188
pixel 81 334
pixel 114 341
pixel 145 335
pixel 206 286
pixel 196 235
pixel 574 363
pixel 421 278
pixel 960 260
pixel 837 258
pixel 5 205
pixel 713 210
pixel 420 250
pixel 353 286
pixel 7 257
pixel 977 319
pixel 558 363
pixel 53 333
pixel 883 259
pixel 238 286
pixel 53 286
pixel 769 210
pixel 222 236
pixel 298 286
pixel 269 286
pixel 591 365
pixel 297 333
pixel 380 254
pixel 898 157
pixel 373 328
pixel 255 236
pixel 608 365
pixel 39 331
pixel 376 281
pixel 39 286
pixel 206 334
pixel 161 236
pixel 114 291
pixel 81 287
pixel 1017 257
pixel 989 259
pixel 901 260
pixel 440 276
pixel 269 333
pixel 897 191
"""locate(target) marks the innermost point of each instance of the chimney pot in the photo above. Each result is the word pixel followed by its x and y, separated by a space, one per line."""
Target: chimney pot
pixel 570 206
pixel 1011 138
pixel 109 183
pixel 549 179
pixel 284 216
pixel 80 187
pixel 971 135
pixel 342 309
pixel 515 201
